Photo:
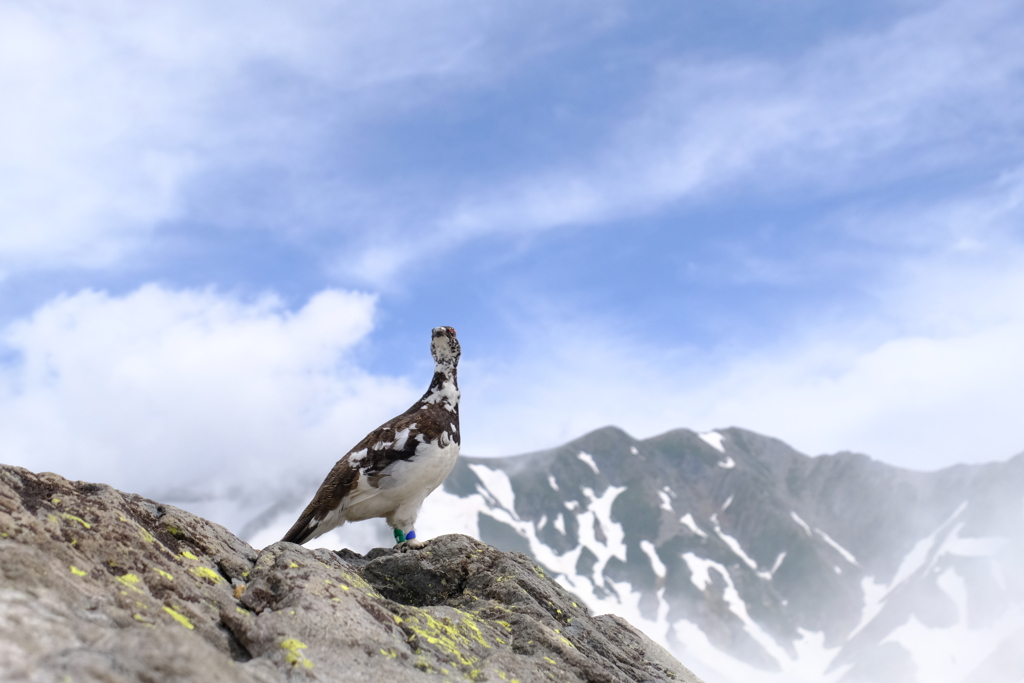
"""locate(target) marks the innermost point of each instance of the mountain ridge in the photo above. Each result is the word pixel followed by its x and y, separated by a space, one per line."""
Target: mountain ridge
pixel 796 535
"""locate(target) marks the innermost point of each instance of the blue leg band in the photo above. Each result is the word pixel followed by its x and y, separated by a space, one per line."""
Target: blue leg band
pixel 411 535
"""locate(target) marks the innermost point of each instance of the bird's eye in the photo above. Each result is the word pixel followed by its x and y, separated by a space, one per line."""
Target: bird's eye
pixel 453 330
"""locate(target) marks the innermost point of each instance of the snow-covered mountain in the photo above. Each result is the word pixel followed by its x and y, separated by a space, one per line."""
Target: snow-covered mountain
pixel 750 561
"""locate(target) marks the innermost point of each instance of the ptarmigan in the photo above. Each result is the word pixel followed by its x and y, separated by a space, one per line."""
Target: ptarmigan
pixel 396 466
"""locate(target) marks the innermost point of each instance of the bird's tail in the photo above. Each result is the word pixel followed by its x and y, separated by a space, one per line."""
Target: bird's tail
pixel 305 529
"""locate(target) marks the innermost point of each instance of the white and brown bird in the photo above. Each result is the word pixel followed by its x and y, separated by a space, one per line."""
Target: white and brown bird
pixel 396 466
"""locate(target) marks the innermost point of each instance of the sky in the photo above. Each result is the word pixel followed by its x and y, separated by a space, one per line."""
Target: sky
pixel 227 229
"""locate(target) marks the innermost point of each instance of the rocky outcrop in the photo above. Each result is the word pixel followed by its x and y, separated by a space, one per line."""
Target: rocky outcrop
pixel 98 585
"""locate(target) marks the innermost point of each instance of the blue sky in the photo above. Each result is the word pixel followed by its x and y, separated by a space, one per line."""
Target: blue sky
pixel 225 232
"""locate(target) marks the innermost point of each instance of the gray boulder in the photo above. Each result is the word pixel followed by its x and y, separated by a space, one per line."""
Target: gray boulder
pixel 99 585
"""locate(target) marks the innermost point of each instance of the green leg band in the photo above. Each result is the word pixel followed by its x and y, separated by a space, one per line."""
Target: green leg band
pixel 399 536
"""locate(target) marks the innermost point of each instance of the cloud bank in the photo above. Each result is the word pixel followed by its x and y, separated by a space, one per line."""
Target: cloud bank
pixel 166 389
pixel 126 115
pixel 927 376
pixel 820 122
pixel 352 135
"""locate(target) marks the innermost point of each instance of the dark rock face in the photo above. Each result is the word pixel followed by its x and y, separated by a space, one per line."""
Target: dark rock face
pixel 98 585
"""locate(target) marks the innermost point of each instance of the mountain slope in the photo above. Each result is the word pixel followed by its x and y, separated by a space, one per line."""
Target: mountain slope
pixel 829 568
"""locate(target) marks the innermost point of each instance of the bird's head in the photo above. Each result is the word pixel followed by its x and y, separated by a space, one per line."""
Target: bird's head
pixel 444 347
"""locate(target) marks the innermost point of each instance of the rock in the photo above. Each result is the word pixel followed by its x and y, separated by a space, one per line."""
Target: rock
pixel 100 585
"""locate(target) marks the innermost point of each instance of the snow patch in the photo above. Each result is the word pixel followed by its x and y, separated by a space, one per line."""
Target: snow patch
pixel 633 450
pixel 446 513
pixel 700 575
pixel 951 654
pixel 874 601
pixel 498 485
pixel 652 554
pixel 970 546
pixel 564 566
pixel 551 482
pixel 945 540
pixel 778 563
pixel 714 665
pixel 847 555
pixel 735 546
pixel 699 568
pixel 600 508
pixel 925 550
pixel 666 501
pixel 597 508
pixel 689 522
pixel 728 463
pixel 589 460
pixel 802 523
pixel 713 439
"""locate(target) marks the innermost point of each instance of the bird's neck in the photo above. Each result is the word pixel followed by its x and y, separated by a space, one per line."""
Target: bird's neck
pixel 444 387
pixel 444 374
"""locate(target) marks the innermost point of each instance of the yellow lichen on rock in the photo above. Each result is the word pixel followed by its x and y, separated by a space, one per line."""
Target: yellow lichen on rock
pixel 357 581
pixel 142 620
pixel 130 580
pixel 73 518
pixel 451 638
pixel 207 573
pixel 180 618
pixel 294 657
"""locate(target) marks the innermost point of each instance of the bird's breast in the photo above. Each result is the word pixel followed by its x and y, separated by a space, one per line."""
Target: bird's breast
pixel 431 464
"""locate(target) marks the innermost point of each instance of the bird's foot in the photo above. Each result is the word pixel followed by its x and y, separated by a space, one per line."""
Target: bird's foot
pixel 408 541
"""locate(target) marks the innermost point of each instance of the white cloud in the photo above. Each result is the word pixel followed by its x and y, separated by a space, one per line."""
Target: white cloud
pixel 120 107
pixel 927 93
pixel 929 376
pixel 115 109
pixel 918 401
pixel 162 389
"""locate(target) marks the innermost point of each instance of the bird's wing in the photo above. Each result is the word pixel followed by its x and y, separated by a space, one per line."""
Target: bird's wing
pixel 362 473
pixel 413 434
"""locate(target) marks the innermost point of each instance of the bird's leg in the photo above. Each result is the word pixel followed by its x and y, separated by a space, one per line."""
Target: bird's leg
pixel 405 541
